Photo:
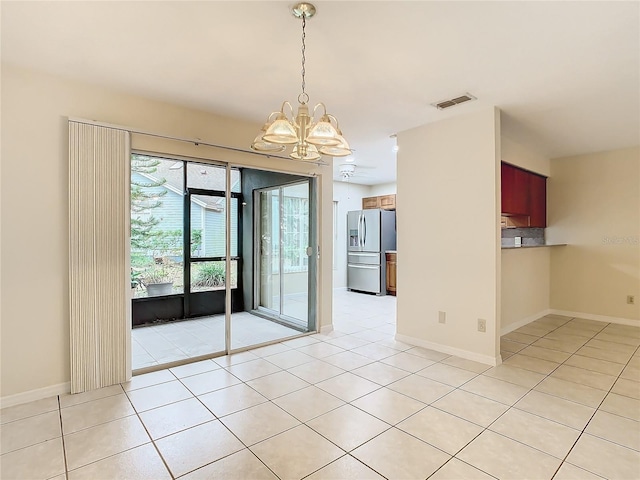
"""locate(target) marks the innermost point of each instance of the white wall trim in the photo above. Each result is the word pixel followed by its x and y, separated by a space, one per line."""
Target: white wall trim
pixel 458 352
pixel 521 323
pixel 33 395
pixel 600 318
pixel 325 329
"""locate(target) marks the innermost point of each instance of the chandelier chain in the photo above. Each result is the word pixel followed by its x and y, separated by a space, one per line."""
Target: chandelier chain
pixel 303 97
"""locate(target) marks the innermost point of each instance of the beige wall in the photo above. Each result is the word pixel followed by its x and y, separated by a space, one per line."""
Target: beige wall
pixel 382 189
pixel 594 207
pixel 448 233
pixel 349 197
pixel 524 156
pixel 525 286
pixel 34 303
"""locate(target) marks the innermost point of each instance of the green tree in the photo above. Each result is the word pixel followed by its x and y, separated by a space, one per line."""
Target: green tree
pixel 145 197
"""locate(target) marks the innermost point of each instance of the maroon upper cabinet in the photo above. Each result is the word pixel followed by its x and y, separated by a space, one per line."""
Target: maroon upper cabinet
pixel 524 194
pixel 515 190
pixel 538 200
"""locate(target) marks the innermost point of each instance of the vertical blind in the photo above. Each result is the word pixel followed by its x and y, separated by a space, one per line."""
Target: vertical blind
pixel 99 283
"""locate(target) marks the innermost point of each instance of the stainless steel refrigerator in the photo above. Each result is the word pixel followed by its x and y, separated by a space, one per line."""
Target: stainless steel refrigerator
pixel 369 234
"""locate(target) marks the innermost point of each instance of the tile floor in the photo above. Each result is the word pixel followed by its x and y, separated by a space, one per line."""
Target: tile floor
pixel 171 342
pixel 354 404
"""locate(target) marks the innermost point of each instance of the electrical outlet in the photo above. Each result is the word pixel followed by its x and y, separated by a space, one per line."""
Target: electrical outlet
pixel 442 317
pixel 482 325
pixel 631 299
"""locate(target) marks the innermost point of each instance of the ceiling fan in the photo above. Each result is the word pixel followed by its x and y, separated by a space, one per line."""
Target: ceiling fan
pixel 348 170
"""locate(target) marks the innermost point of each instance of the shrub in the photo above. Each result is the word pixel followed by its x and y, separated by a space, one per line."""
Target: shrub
pixel 209 275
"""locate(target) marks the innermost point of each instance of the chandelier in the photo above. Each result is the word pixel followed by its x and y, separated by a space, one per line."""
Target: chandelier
pixel 310 138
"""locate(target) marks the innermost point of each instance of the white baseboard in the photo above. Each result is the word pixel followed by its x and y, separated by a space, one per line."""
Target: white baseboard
pixel 521 323
pixel 599 318
pixel 37 394
pixel 326 329
pixel 458 352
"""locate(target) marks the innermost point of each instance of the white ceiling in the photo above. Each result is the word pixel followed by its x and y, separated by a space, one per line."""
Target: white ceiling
pixel 564 74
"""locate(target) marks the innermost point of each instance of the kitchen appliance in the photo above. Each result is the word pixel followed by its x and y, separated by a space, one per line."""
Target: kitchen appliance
pixel 369 234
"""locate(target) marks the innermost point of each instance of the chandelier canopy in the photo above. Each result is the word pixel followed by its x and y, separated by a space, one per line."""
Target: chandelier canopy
pixel 310 138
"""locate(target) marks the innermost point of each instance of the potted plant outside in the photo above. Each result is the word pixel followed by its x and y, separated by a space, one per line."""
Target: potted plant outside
pixel 158 281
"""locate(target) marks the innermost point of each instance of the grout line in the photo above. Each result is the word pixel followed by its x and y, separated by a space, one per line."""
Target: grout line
pixel 64 448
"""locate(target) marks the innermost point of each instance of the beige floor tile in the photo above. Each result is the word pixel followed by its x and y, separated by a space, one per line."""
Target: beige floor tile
pixel 395 344
pixel 421 388
pixel 614 428
pixel 289 358
pixel 76 398
pixel 140 381
pixel 258 423
pixel 348 427
pixel 575 330
pixel 563 336
pixel 308 403
pixel 277 384
pixel 471 407
pixel 428 354
pixel 198 446
pixel 521 338
pixel 29 431
pixel 371 335
pixel 537 432
pixel 447 374
pixel 545 354
pixel 300 342
pixel 20 464
pixel 345 468
pixel 560 345
pixel 347 360
pixel 621 405
pixel 388 405
pixel 239 465
pixel 380 373
pixel 102 441
pixel 594 364
pixel 316 371
pixel 575 392
pixel 93 413
pixel 504 355
pixel 374 351
pixel 494 389
pixel 535 330
pixel 231 399
pixel 235 359
pixel 175 417
pixel 348 342
pixel 510 346
pixel 194 368
pixel 628 388
pixel 624 330
pixel 488 453
pixel 604 354
pixel 441 429
pixel 395 454
pixel 139 463
pixel 517 376
pixel 320 349
pixel 456 469
pixel 584 377
pixel 597 456
pixel 537 365
pixel 30 409
pixel 408 362
pixel 622 339
pixel 571 472
pixel 253 369
pixel 631 373
pixel 465 364
pixel 270 350
pixel 557 409
pixel 348 386
pixel 210 381
pixel 159 395
pixel 296 453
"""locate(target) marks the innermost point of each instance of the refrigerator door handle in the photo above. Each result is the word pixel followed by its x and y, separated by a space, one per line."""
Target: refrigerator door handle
pixel 360 242
pixel 364 228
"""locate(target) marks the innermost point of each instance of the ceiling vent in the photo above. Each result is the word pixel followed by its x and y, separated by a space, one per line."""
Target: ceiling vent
pixel 454 101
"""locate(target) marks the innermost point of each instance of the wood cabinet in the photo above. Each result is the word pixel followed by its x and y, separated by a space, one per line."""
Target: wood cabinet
pixel 391 273
pixel 386 202
pixel 524 196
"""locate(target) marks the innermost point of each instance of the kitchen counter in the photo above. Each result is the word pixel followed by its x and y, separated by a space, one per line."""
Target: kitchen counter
pixel 513 247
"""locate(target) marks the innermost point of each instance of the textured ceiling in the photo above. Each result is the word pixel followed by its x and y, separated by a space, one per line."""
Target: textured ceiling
pixel 564 74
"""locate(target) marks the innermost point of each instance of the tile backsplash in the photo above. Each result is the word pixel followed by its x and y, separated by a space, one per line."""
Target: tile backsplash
pixel 530 236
